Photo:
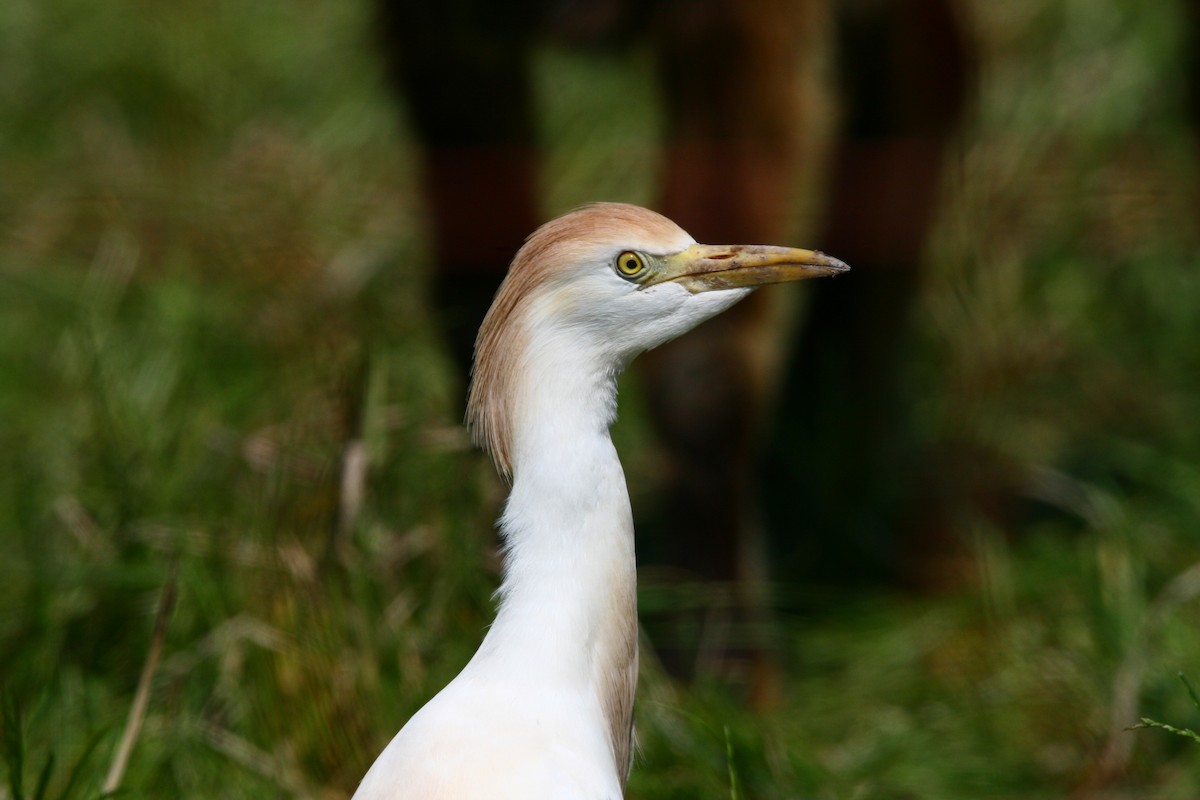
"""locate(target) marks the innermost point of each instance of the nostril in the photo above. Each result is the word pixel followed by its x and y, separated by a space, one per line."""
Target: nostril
pixel 721 256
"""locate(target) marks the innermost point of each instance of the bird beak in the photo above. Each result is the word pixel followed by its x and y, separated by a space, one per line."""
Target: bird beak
pixel 705 267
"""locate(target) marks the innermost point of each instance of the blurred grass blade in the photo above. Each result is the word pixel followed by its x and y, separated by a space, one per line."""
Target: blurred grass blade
pixel 44 779
pixel 141 699
pixel 734 790
pixel 81 763
pixel 1191 691
pixel 14 745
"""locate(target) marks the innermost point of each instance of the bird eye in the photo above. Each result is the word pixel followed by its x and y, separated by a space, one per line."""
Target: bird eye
pixel 630 264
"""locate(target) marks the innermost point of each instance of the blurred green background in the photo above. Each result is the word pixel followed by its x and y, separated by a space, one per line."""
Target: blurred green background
pixel 212 264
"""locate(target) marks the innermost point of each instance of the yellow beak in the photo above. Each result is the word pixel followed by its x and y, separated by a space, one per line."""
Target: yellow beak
pixel 705 267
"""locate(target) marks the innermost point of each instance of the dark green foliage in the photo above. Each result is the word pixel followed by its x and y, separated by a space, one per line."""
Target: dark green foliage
pixel 13 740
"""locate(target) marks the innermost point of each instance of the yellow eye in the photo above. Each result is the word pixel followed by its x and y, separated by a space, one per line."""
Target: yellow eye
pixel 630 264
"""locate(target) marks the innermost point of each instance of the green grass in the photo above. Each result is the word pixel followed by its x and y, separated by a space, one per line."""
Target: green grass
pixel 211 274
pixel 1186 733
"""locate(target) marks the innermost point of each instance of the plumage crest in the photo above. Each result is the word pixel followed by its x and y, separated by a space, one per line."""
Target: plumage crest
pixel 549 252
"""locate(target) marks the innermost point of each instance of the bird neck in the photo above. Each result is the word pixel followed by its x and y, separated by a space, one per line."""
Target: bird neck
pixel 568 611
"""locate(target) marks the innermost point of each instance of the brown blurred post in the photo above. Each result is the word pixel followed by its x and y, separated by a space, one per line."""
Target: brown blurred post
pixel 730 74
pixel 844 476
pixel 462 70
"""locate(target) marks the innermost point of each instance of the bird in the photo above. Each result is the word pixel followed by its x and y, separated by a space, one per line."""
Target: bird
pixel 544 709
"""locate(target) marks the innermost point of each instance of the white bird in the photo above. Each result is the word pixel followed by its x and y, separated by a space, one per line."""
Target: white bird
pixel 544 709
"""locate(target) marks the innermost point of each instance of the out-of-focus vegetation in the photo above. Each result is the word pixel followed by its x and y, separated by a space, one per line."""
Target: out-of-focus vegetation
pixel 211 271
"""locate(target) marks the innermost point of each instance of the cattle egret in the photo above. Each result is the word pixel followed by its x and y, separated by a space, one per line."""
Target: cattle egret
pixel 544 709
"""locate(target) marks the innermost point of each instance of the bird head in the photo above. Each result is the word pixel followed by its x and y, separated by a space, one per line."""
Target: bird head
pixel 604 283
